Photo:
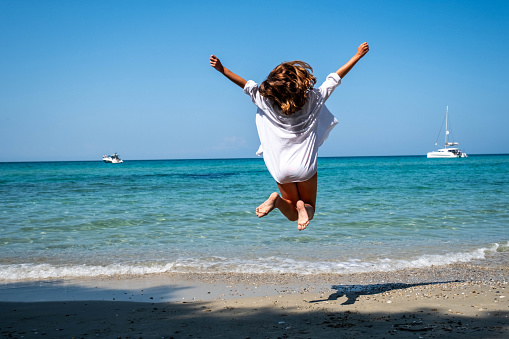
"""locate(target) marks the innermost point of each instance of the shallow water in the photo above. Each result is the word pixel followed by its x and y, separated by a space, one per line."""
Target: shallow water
pixel 80 219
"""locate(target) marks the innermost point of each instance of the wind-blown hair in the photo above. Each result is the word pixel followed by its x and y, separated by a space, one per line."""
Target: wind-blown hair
pixel 288 85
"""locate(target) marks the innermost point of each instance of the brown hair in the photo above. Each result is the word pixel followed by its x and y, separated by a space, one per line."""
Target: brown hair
pixel 288 85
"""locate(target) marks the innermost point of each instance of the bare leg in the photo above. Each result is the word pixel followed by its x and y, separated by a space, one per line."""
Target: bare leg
pixel 297 202
pixel 267 206
pixel 287 207
pixel 303 220
pixel 275 201
pixel 300 198
pixel 306 213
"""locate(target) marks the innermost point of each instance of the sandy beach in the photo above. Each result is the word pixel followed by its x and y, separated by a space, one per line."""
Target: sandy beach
pixel 454 301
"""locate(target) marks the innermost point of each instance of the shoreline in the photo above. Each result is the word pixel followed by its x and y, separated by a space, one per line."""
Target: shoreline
pixel 173 287
pixel 494 255
pixel 460 300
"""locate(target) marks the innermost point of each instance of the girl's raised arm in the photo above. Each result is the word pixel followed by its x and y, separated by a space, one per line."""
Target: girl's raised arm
pixel 361 51
pixel 216 63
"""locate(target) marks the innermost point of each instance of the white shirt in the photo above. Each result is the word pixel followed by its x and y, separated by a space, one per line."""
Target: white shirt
pixel 289 143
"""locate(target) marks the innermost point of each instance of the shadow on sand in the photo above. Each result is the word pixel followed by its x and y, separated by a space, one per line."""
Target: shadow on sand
pixel 352 292
pixel 249 318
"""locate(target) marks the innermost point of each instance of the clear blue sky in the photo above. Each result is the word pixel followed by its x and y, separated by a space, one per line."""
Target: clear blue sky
pixel 79 79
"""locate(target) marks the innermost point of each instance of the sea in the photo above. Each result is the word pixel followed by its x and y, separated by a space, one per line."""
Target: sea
pixel 92 219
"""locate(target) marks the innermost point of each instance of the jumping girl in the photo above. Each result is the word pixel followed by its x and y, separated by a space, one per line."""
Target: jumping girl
pixel 292 122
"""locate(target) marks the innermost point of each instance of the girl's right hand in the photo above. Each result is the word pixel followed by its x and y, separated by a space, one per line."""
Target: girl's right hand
pixel 216 63
pixel 363 49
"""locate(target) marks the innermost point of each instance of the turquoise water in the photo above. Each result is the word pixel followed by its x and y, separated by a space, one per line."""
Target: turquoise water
pixel 80 219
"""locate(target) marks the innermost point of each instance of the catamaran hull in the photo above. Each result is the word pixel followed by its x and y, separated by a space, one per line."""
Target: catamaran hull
pixel 441 155
pixel 446 155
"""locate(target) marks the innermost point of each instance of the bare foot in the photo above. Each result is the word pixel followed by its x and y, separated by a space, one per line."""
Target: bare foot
pixel 267 206
pixel 303 220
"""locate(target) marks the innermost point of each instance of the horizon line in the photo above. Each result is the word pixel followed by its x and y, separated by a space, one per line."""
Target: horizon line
pixel 245 158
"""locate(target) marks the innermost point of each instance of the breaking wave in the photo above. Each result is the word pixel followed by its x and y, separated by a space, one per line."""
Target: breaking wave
pixel 214 264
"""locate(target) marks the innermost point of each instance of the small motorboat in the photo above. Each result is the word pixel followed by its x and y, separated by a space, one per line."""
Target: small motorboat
pixel 112 159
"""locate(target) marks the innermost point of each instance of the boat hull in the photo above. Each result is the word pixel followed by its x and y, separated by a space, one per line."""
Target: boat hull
pixel 112 159
pixel 447 154
pixel 437 155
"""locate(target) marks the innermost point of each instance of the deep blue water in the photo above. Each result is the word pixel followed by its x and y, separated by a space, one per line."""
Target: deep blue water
pixel 61 219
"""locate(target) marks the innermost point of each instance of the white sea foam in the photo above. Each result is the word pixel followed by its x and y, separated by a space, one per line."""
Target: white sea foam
pixel 502 247
pixel 23 272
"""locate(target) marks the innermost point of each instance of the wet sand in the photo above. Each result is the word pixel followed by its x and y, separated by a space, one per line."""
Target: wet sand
pixel 467 301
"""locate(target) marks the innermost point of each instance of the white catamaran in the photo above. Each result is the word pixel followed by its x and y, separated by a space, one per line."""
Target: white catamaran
pixel 447 151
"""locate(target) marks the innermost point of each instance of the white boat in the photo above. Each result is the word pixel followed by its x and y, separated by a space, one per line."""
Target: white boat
pixel 113 159
pixel 447 151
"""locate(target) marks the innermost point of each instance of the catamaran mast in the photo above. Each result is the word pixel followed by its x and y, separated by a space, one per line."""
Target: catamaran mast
pixel 446 130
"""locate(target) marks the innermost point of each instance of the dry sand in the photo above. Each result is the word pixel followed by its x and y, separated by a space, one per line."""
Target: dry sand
pixel 456 301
